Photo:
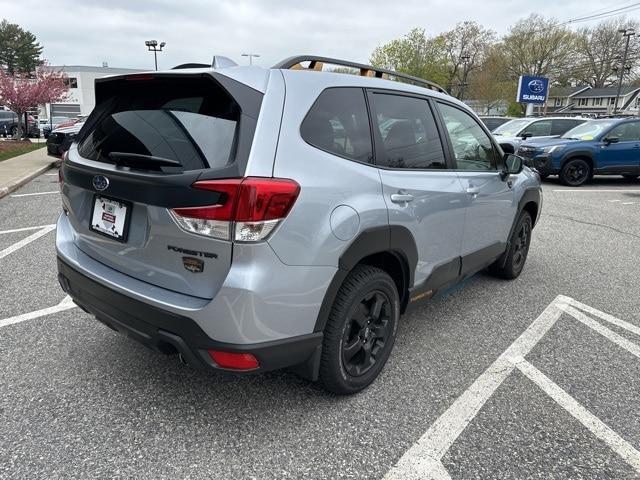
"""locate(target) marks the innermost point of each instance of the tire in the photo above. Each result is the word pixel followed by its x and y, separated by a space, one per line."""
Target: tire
pixel 14 131
pixel 360 331
pixel 630 177
pixel 575 172
pixel 511 266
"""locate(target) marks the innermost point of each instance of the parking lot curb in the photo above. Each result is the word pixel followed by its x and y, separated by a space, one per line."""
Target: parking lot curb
pixel 13 185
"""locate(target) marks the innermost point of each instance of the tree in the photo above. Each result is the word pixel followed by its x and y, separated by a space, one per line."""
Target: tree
pixel 490 85
pixel 415 54
pixel 19 50
pixel 600 50
pixel 464 49
pixel 19 92
pixel 539 46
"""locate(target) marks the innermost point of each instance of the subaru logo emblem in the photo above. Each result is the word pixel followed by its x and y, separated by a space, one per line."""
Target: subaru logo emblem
pixel 536 86
pixel 100 182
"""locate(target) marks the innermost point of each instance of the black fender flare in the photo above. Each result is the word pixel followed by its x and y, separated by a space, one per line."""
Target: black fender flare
pixel 578 154
pixel 394 239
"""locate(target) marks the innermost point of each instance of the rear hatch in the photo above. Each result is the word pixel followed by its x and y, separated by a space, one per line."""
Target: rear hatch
pixel 129 177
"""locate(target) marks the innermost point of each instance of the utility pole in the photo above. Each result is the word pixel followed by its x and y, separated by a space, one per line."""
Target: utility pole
pixel 251 56
pixel 465 71
pixel 626 32
pixel 152 46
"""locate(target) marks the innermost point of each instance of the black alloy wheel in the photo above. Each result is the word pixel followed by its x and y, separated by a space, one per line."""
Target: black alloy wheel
pixel 366 333
pixel 521 245
pixel 360 331
pixel 575 172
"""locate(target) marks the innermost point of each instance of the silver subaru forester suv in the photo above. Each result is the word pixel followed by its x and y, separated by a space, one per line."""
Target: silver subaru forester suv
pixel 252 219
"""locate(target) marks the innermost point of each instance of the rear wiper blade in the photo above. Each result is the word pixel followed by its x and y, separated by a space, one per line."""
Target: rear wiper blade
pixel 126 159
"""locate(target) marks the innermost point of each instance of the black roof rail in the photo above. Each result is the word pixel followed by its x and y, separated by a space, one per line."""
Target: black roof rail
pixel 316 63
pixel 191 65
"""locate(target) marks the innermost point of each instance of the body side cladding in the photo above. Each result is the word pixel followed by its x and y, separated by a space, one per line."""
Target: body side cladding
pixel 453 272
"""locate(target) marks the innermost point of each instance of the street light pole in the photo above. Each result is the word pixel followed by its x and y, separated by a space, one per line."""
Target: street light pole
pixel 152 46
pixel 251 56
pixel 465 58
pixel 626 32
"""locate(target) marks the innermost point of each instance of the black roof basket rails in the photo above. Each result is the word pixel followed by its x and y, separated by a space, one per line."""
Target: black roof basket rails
pixel 191 65
pixel 316 63
pixel 218 61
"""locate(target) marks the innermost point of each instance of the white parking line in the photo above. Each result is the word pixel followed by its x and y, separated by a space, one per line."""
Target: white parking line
pixel 582 190
pixel 586 418
pixel 34 194
pixel 628 203
pixel 602 315
pixel 65 304
pixel 51 174
pixel 423 460
pixel 26 241
pixel 604 331
pixel 26 229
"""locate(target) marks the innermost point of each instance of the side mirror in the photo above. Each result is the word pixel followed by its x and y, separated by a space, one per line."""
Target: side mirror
pixel 610 140
pixel 513 165
pixel 526 135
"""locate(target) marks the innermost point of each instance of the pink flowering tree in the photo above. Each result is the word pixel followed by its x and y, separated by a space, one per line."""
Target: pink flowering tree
pixel 19 92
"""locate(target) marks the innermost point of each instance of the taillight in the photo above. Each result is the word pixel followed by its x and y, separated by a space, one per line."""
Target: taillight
pixel 247 209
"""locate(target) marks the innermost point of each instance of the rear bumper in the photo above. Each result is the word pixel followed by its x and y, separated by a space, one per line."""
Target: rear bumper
pixel 169 333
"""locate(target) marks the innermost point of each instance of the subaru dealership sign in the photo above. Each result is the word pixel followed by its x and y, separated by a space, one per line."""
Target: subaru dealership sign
pixel 532 89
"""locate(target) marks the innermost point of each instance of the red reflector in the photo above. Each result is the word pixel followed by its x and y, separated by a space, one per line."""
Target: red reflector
pixel 251 199
pixel 143 76
pixel 235 361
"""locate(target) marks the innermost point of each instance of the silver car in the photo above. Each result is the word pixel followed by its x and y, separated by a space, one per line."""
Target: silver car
pixel 512 134
pixel 251 219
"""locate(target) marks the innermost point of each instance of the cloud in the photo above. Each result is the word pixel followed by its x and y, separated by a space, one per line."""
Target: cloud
pixel 89 32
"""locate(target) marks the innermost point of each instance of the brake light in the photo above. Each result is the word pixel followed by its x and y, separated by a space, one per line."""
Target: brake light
pixel 247 210
pixel 234 361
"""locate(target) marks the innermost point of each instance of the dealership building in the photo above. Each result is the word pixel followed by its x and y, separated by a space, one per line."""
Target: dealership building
pixel 81 97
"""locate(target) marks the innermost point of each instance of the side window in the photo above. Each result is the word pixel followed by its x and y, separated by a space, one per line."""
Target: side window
pixel 408 131
pixel 560 127
pixel 338 123
pixel 539 129
pixel 472 147
pixel 627 132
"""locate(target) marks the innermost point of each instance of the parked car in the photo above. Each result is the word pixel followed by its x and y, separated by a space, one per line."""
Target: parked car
pixel 61 139
pixel 602 147
pixel 493 122
pixel 208 215
pixel 9 125
pixel 54 122
pixel 510 135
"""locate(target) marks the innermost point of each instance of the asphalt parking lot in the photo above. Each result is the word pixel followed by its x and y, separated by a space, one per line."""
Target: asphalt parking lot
pixel 535 378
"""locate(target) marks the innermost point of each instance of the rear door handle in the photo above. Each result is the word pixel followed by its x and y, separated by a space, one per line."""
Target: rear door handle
pixel 473 190
pixel 401 197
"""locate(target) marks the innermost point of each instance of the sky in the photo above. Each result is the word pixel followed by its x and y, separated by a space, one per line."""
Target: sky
pixel 89 32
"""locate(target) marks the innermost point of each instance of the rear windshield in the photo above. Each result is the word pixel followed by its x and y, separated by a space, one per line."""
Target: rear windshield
pixel 192 121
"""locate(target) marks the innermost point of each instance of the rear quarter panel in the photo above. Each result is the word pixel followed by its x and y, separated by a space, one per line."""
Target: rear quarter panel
pixel 350 190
